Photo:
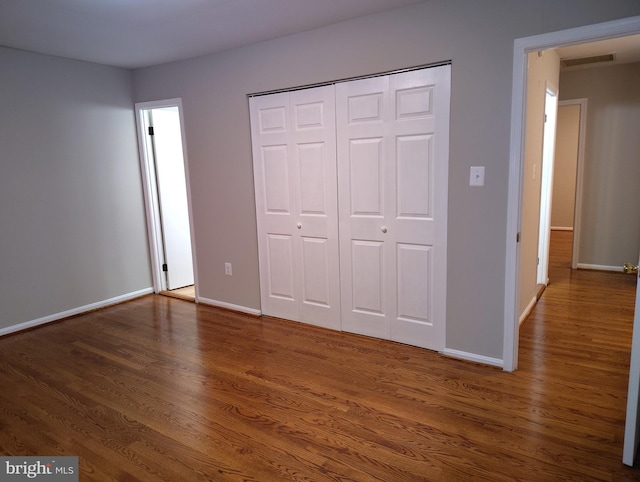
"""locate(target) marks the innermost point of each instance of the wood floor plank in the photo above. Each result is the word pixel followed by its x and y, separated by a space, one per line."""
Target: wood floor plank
pixel 163 389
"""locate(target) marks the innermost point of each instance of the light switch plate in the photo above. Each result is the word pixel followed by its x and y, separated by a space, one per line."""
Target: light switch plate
pixel 476 176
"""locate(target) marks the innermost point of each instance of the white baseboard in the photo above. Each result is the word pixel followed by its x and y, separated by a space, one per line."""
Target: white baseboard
pixel 528 309
pixel 229 306
pixel 561 228
pixel 75 311
pixel 599 267
pixel 463 355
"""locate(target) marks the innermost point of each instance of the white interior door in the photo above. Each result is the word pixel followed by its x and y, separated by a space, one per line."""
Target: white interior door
pixel 172 196
pixel 393 137
pixel 632 424
pixel 293 140
pixel 546 190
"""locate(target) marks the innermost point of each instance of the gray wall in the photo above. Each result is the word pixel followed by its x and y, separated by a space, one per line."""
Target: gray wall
pixel 610 222
pixel 71 208
pixel 565 166
pixel 478 38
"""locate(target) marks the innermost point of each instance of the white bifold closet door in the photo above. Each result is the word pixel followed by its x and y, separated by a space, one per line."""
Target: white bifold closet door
pixel 393 142
pixel 293 137
pixel 351 198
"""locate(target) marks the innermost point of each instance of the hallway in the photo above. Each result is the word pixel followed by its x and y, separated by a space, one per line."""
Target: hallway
pixel 578 340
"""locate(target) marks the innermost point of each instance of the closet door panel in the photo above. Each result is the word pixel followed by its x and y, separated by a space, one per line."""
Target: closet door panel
pixel 392 135
pixel 275 204
pixel 293 140
pixel 420 131
pixel 363 177
pixel 313 111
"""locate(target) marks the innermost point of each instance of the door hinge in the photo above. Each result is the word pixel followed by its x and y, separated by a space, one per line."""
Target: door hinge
pixel 517 237
pixel 545 117
pixel 164 267
pixel 151 130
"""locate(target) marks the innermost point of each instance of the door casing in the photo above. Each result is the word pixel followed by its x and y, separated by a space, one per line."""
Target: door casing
pixel 149 185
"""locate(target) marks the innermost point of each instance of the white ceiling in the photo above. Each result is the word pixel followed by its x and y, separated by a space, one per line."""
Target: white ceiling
pixel 139 33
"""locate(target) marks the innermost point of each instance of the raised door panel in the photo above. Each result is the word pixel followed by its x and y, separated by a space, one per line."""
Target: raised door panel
pixel 316 282
pixel 367 303
pixel 365 166
pixel 415 271
pixel 274 162
pixel 414 176
pixel 281 281
pixel 311 179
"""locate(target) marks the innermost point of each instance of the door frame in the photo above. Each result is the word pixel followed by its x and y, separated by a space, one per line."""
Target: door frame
pixel 150 191
pixel 522 47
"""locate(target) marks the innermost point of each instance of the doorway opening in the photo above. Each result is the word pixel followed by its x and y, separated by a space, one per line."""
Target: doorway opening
pixel 583 35
pixel 167 197
pixel 522 47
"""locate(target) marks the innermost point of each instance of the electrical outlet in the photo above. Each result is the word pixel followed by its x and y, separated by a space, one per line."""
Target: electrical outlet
pixel 227 269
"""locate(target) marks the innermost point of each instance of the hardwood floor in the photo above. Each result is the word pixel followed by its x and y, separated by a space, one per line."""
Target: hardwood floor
pixel 163 389
pixel 187 293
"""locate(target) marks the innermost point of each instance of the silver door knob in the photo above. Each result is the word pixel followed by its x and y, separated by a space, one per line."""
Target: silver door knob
pixel 383 229
pixel 299 225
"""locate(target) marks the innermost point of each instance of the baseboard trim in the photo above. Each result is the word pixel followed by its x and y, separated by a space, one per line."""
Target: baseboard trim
pixel 229 306
pixel 463 355
pixel 75 311
pixel 527 311
pixel 599 267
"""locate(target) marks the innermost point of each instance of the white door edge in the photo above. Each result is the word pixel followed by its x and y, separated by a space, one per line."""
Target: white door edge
pixel 632 426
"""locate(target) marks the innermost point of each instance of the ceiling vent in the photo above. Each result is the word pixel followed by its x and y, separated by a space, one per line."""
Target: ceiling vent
pixel 595 59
